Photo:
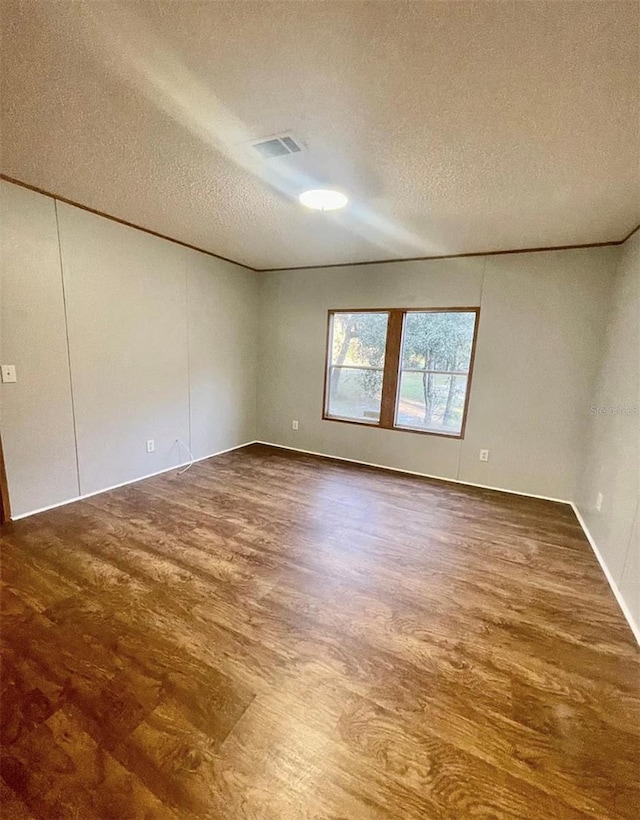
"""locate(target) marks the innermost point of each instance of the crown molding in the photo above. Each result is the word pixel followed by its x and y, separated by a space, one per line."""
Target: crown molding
pixel 120 221
pixel 612 243
pixel 630 234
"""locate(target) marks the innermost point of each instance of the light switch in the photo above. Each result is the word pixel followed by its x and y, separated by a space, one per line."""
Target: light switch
pixel 8 373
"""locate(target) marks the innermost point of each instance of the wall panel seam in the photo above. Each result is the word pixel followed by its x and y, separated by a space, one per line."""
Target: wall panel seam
pixel 66 330
pixel 628 551
pixel 186 284
pixel 477 338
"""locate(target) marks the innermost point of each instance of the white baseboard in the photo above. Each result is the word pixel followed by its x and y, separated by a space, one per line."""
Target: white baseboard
pixel 614 587
pixel 126 483
pixel 413 472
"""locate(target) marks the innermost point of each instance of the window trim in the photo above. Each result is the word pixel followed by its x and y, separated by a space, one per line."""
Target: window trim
pixel 391 368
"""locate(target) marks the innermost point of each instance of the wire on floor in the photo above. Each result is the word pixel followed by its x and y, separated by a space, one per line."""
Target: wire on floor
pixel 184 469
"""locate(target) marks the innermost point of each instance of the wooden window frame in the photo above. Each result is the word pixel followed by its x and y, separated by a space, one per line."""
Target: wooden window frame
pixel 391 368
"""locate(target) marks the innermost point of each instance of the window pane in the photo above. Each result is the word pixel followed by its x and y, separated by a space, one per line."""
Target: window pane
pixel 431 401
pixel 355 393
pixel 435 360
pixel 359 339
pixel 354 381
pixel 438 340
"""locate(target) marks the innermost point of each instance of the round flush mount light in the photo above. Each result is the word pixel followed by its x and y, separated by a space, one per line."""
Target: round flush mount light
pixel 323 199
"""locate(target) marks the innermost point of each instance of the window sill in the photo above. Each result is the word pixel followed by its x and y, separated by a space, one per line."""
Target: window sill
pixel 377 425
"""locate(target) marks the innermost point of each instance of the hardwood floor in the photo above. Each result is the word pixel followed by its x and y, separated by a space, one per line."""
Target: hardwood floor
pixel 282 637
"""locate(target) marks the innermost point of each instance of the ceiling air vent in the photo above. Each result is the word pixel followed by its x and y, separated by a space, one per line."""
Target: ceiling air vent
pixel 277 146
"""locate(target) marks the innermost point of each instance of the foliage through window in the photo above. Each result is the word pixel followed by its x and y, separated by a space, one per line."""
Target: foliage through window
pixel 358 343
pixel 401 369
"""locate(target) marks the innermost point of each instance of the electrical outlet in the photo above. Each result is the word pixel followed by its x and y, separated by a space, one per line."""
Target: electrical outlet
pixel 9 373
pixel 484 455
pixel 294 424
pixel 599 501
pixel 151 445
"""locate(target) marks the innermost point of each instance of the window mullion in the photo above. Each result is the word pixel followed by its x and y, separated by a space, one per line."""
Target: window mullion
pixel 391 368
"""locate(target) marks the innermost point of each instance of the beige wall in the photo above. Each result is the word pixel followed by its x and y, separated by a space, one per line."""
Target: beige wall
pixel 36 415
pixel 223 315
pixel 612 439
pixel 127 320
pixel 541 323
pixel 543 318
pixel 162 344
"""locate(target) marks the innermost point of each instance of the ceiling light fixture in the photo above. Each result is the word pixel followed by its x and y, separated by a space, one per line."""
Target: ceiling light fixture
pixel 323 199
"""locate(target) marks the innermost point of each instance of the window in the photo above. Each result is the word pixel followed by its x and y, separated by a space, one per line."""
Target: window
pixel 357 345
pixel 401 369
pixel 434 370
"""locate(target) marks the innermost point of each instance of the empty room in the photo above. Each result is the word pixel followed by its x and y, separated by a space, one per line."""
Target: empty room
pixel 319 409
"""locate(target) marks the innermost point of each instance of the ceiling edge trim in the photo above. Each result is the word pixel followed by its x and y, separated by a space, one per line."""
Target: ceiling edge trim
pixel 612 243
pixel 66 200
pixel 117 219
pixel 630 234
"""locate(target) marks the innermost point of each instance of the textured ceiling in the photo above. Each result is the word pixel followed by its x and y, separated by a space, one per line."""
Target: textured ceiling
pixel 454 126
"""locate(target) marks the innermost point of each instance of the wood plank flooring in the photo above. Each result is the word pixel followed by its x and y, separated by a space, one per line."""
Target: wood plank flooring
pixel 282 637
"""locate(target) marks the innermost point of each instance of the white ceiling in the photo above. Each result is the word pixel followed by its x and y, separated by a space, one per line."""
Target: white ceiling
pixel 454 126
